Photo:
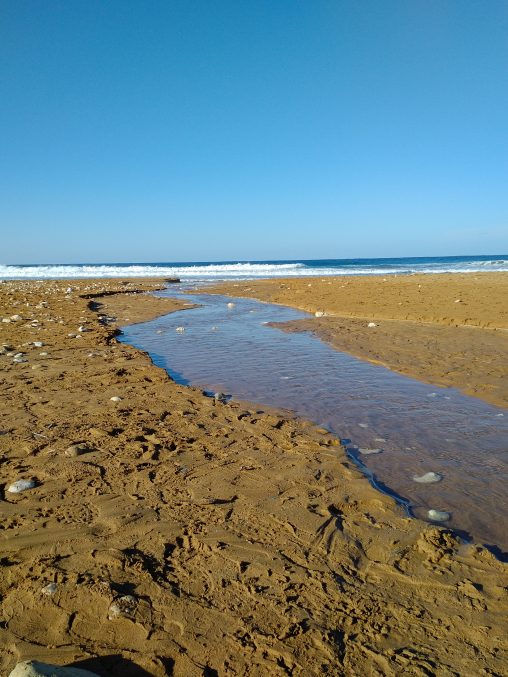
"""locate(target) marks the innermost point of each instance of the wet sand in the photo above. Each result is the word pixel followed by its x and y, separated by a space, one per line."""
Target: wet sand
pixel 190 537
pixel 447 329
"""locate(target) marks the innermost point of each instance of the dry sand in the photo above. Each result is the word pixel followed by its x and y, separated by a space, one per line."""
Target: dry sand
pixel 449 329
pixel 243 542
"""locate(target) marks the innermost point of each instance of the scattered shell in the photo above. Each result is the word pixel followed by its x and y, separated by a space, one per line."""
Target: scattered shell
pixel 438 515
pixel 122 607
pixel 49 589
pixel 368 452
pixel 180 330
pixel 428 478
pixel 372 324
pixel 38 669
pixel 68 290
pixel 115 398
pixel 82 329
pixel 20 485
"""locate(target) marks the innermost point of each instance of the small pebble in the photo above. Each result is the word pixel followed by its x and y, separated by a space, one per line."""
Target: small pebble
pixel 231 305
pixel 372 324
pixel 318 313
pixel 180 330
pixel 363 425
pixel 43 354
pixel 75 450
pixel 20 485
pixel 122 607
pixel 428 478
pixel 368 452
pixel 220 397
pixel 16 318
pixel 438 515
pixel 115 398
pixel 38 344
pixel 49 589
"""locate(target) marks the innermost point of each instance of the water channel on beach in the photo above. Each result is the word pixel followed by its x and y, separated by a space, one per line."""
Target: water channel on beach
pixel 418 428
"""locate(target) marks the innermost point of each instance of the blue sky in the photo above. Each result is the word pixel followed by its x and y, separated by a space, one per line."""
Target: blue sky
pixel 197 130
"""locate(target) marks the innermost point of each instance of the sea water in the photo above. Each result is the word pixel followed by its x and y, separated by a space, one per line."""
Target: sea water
pixel 241 270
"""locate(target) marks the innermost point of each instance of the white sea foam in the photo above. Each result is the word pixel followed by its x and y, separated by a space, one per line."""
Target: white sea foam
pixel 244 271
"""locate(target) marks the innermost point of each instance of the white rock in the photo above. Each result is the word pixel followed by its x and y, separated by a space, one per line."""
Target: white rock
pixel 363 425
pixel 43 354
pixel 20 485
pixel 16 318
pixel 38 344
pixel 438 515
pixel 372 324
pixel 49 589
pixel 38 669
pixel 180 330
pixel 428 478
pixel 318 313
pixel 231 305
pixel 123 606
pixel 115 398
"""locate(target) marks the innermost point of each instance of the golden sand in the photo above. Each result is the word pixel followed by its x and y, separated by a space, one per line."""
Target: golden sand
pixel 242 542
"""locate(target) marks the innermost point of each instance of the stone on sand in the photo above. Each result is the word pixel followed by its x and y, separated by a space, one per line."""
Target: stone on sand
pixel 38 669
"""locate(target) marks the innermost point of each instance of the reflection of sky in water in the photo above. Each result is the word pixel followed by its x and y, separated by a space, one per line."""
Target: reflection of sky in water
pixel 425 428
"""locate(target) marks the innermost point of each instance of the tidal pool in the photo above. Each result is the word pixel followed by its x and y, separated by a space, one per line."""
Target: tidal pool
pixel 397 427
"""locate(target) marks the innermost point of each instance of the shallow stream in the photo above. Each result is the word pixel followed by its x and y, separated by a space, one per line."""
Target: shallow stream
pixel 418 428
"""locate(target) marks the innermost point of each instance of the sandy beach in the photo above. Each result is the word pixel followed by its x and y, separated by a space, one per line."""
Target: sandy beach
pixel 446 329
pixel 165 533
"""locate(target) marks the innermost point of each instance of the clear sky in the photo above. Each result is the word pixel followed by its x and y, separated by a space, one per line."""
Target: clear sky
pixel 173 130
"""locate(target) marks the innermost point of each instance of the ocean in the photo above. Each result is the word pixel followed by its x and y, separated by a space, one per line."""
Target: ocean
pixel 210 271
